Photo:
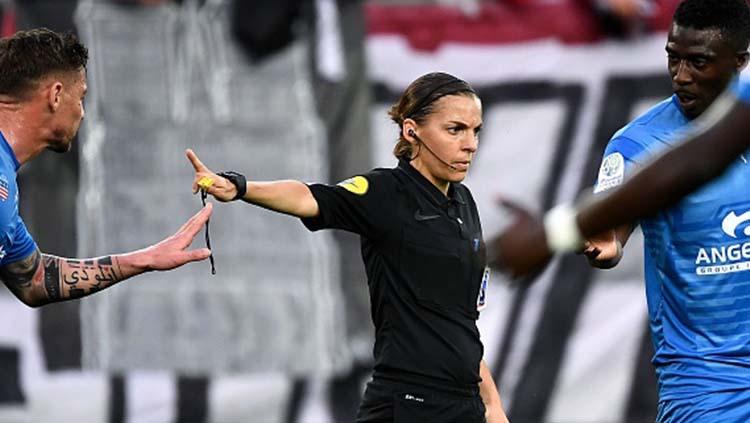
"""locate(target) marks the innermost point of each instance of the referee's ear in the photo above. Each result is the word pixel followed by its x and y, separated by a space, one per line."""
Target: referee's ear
pixel 409 130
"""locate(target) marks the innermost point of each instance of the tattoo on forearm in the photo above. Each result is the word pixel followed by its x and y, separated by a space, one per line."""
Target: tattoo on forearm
pixel 78 278
pixel 73 278
pixel 59 279
pixel 52 277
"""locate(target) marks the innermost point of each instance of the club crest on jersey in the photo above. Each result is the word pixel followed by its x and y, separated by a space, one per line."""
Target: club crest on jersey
pixel 356 185
pixel 731 221
pixel 4 188
pixel 727 258
pixel 611 172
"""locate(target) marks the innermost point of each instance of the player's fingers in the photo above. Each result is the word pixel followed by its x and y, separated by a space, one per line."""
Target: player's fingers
pixel 199 219
pixel 195 161
pixel 593 253
pixel 195 223
pixel 198 255
pixel 586 247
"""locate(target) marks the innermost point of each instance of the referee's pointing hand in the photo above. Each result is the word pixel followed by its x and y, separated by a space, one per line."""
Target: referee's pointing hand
pixel 220 188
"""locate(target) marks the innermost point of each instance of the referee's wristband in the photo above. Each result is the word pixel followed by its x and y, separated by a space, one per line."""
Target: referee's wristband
pixel 561 229
pixel 238 180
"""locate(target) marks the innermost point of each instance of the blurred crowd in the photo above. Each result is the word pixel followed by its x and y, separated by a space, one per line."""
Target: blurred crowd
pixel 270 22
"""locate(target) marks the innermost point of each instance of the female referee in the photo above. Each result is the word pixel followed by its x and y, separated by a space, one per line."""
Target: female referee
pixel 423 252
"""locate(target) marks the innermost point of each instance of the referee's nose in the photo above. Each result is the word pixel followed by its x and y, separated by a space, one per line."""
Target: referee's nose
pixel 470 142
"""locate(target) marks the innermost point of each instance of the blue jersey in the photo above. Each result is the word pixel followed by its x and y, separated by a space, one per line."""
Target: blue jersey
pixel 15 241
pixel 697 264
pixel 741 89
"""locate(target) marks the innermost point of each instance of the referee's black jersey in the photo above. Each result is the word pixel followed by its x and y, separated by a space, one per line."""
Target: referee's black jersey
pixel 425 260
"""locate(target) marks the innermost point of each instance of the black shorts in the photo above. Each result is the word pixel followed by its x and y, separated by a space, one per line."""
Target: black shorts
pixel 387 401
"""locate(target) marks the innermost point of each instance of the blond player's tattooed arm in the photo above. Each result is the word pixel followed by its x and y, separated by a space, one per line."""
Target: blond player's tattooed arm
pixel 42 279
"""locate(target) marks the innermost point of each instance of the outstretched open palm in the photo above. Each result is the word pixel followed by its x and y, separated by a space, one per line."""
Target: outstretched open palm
pixel 172 252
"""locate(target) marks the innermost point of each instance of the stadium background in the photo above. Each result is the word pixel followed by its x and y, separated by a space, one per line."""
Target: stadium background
pixel 282 332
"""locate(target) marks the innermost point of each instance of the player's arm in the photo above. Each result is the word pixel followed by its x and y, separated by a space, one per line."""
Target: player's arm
pixel 529 243
pixel 495 412
pixel 289 197
pixel 40 279
pixel 675 174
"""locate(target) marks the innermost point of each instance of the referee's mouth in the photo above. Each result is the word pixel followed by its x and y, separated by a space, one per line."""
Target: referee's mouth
pixel 462 165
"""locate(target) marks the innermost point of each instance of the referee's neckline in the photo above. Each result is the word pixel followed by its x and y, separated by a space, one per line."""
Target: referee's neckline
pixel 454 194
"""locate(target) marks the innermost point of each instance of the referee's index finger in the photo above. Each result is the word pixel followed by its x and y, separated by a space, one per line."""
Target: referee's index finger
pixel 195 161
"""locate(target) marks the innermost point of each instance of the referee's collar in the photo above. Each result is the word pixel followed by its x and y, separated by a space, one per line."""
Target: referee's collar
pixel 454 194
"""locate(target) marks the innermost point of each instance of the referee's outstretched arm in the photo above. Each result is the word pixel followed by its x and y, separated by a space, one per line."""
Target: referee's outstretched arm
pixel 287 196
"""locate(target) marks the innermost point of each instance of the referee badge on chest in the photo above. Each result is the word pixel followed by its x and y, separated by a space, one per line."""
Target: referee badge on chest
pixel 482 297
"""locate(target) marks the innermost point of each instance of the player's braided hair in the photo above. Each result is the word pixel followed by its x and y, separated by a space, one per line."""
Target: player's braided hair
pixel 28 56
pixel 418 101
pixel 731 17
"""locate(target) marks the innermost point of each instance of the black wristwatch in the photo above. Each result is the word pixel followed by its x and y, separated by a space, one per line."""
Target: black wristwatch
pixel 238 180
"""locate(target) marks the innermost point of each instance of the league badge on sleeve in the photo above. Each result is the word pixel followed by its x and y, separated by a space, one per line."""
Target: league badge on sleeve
pixel 482 297
pixel 356 185
pixel 611 172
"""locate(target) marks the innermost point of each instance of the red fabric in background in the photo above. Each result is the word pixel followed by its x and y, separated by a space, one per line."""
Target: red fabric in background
pixel 8 22
pixel 570 21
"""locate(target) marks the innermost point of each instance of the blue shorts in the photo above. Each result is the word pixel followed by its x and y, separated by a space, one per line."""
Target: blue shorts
pixel 716 407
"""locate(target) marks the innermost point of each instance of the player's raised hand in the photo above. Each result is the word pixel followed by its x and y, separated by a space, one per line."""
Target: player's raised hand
pixel 206 180
pixel 172 252
pixel 521 249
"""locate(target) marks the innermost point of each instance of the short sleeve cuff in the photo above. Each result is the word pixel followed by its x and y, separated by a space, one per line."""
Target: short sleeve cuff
pixel 318 222
pixel 17 254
